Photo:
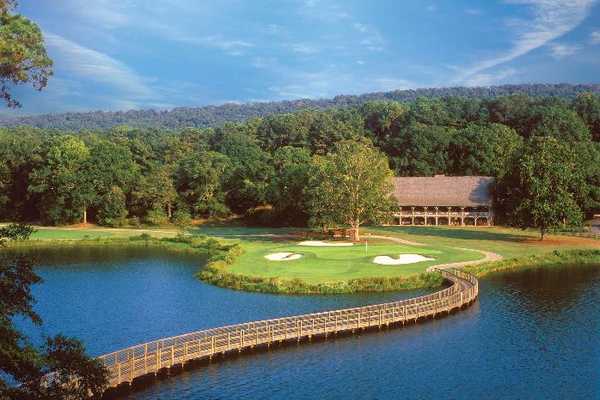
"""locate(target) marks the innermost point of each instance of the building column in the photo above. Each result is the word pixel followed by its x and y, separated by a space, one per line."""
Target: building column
pixel 436 216
pixel 462 216
pixel 412 218
pixel 425 212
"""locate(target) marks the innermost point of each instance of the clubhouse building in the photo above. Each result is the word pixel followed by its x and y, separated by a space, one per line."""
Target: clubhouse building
pixel 444 200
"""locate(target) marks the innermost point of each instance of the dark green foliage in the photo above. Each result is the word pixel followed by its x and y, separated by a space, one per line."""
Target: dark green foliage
pixel 15 232
pixel 543 187
pixel 22 53
pixel 483 150
pixel 259 168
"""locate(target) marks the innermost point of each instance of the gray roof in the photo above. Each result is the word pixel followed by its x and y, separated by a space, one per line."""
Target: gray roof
pixel 441 190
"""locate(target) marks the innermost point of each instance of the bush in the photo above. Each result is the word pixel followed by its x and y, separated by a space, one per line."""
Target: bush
pixel 182 218
pixel 156 217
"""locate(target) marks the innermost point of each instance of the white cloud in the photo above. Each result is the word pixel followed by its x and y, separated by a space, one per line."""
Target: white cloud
pixel 360 27
pixel 550 19
pixel 562 50
pixel 595 37
pixel 331 81
pixel 303 48
pixel 96 66
pixel 490 79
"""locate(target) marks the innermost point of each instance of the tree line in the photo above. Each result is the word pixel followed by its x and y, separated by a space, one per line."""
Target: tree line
pixel 264 168
pixel 210 116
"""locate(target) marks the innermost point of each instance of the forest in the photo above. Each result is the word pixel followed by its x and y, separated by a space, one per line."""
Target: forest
pixel 262 168
pixel 212 116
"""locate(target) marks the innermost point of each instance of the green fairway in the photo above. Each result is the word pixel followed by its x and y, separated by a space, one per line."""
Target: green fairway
pixel 507 242
pixel 330 264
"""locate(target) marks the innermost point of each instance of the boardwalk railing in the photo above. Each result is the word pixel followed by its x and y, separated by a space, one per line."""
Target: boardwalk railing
pixel 148 358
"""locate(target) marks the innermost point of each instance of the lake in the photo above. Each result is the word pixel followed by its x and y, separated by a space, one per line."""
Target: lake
pixel 532 334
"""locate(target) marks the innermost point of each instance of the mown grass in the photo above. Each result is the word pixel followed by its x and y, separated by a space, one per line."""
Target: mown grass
pixel 327 270
pixel 507 242
pixel 554 259
pixel 334 264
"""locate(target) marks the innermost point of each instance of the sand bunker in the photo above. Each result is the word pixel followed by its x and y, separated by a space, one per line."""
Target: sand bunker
pixel 283 256
pixel 320 243
pixel 402 259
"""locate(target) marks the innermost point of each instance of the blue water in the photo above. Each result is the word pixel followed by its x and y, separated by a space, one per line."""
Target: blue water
pixel 533 334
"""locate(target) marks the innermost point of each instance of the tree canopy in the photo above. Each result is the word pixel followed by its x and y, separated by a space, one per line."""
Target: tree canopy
pixel 350 186
pixel 541 191
pixel 22 51
pixel 130 175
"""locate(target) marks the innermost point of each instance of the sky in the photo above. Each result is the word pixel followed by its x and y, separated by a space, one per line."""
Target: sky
pixel 139 54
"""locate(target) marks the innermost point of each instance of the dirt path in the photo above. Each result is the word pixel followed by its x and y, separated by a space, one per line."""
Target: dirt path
pixel 487 255
pixel 397 240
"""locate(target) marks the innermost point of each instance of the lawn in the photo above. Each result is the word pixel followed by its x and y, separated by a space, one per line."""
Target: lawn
pixel 331 264
pixel 508 242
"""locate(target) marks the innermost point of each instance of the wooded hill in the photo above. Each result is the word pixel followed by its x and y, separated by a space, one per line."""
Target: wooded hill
pixel 536 147
pixel 211 116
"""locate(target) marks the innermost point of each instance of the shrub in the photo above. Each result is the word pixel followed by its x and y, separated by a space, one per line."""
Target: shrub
pixel 182 218
pixel 156 217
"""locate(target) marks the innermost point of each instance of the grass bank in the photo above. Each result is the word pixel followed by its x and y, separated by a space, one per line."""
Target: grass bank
pixel 237 259
pixel 554 259
pixel 201 247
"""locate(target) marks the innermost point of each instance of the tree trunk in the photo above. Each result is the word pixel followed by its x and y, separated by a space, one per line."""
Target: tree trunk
pixel 85 215
pixel 169 210
pixel 542 232
pixel 355 228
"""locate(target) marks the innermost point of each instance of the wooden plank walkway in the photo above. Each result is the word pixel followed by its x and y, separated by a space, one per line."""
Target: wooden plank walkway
pixel 149 358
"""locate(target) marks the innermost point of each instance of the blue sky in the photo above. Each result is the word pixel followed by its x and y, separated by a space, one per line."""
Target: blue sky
pixel 131 54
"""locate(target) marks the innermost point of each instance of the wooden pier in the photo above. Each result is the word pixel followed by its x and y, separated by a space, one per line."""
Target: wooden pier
pixel 150 358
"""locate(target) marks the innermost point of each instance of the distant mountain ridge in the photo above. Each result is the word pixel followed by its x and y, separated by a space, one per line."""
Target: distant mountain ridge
pixel 207 116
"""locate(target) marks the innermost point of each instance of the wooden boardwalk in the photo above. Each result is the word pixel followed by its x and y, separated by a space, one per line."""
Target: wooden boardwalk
pixel 149 358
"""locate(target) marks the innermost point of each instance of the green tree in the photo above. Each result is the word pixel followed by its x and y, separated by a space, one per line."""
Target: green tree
pixel 559 122
pixel 482 150
pixel 420 150
pixel 156 190
pixel 22 51
pixel 247 183
pixel 329 127
pixel 201 179
pixel 587 105
pixel 289 129
pixel 112 209
pixel 541 190
pixel 21 151
pixel 24 367
pixel 286 191
pixel 381 118
pixel 350 186
pixel 61 181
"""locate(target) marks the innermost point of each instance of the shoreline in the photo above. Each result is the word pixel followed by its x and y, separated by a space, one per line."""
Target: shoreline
pixel 214 267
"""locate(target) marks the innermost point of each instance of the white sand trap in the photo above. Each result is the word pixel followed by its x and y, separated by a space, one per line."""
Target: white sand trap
pixel 283 256
pixel 320 243
pixel 402 259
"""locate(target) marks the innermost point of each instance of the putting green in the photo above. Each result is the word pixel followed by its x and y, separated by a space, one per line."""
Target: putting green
pixel 330 264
